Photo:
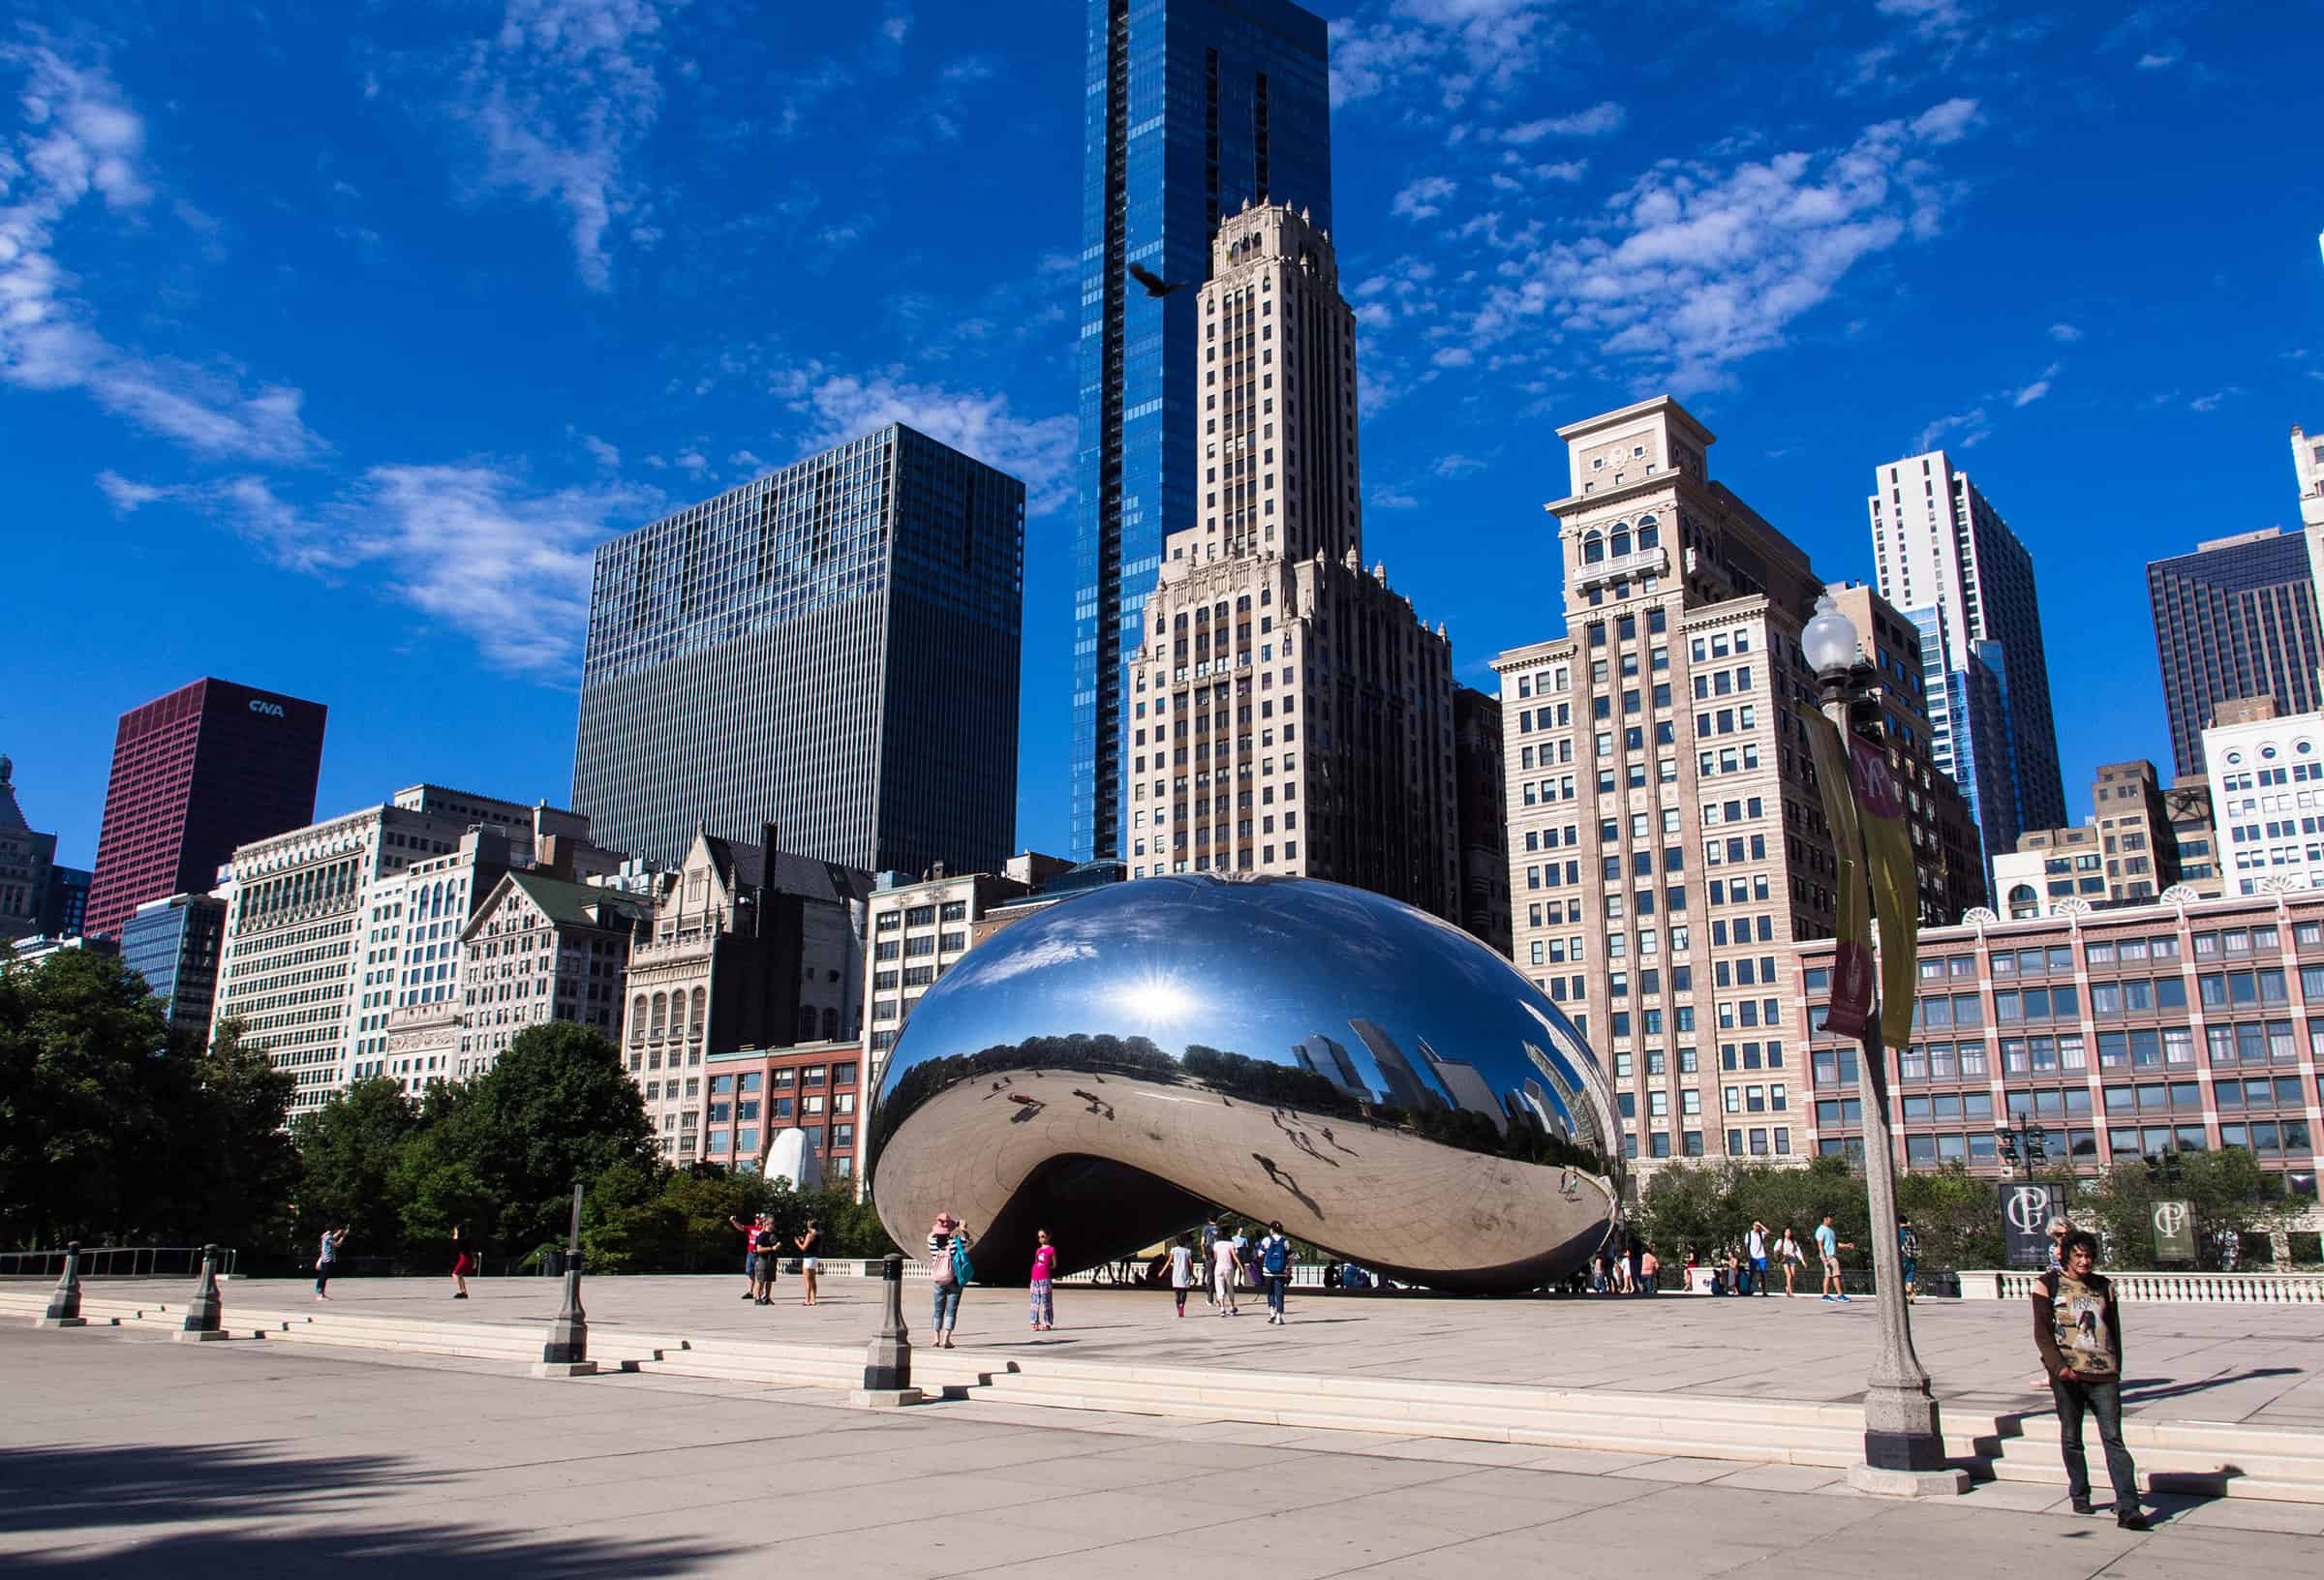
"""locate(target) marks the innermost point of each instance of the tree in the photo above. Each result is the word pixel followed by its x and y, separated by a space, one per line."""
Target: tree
pixel 556 1110
pixel 2227 1191
pixel 350 1154
pixel 83 1144
pixel 236 1167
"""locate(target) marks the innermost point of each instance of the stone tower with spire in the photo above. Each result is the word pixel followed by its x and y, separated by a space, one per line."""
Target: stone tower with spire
pixel 26 862
pixel 1289 712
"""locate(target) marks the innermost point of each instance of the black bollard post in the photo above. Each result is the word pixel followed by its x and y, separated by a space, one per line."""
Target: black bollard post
pixel 888 1363
pixel 202 1312
pixel 64 1302
pixel 566 1353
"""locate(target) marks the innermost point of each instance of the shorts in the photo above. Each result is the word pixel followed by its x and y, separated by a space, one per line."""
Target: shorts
pixel 463 1264
pixel 1831 1266
pixel 1911 1268
pixel 762 1264
pixel 809 1264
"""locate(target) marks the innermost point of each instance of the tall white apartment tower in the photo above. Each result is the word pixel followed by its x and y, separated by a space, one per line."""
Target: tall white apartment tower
pixel 1278 394
pixel 1952 564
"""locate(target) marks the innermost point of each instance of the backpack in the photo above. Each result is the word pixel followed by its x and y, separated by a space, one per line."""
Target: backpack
pixel 963 1271
pixel 1909 1245
pixel 1275 1256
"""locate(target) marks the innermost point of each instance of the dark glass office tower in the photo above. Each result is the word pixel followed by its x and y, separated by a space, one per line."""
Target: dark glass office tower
pixel 2237 618
pixel 1193 107
pixel 832 648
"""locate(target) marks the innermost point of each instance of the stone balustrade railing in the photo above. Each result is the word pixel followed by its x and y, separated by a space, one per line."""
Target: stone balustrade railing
pixel 2192 1289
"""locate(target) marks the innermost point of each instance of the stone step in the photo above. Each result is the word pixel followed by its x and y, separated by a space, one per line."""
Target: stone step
pixel 2297 1477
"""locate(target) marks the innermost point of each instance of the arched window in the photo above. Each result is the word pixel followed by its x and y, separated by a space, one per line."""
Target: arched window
pixel 701 1004
pixel 2022 902
pixel 661 1011
pixel 1619 545
pixel 1593 548
pixel 1650 532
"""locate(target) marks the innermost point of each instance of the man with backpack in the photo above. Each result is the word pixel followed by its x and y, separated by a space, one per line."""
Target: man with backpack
pixel 1274 1267
pixel 1908 1251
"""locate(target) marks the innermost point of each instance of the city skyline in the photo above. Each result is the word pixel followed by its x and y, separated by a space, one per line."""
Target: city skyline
pixel 254 486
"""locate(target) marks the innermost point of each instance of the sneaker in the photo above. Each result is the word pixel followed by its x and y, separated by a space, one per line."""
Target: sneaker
pixel 2133 1520
pixel 1827 1299
pixel 460 1294
pixel 1843 1299
pixel 748 1296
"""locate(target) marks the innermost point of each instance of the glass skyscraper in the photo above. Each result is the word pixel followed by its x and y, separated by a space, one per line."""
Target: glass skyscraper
pixel 2235 619
pixel 832 648
pixel 1192 108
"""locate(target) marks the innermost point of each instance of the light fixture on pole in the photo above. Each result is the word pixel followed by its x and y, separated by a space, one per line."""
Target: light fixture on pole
pixel 1904 1434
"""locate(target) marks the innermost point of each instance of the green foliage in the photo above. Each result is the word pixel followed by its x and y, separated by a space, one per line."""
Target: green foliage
pixel 350 1150
pixel 555 1109
pixel 1707 1207
pixel 115 1127
pixel 2227 1192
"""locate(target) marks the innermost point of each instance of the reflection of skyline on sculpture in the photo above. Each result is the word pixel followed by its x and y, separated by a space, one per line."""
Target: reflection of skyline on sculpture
pixel 1284 1047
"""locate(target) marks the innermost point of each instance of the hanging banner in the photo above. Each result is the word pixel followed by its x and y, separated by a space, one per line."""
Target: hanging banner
pixel 1895 883
pixel 2174 1231
pixel 1850 1009
pixel 2026 1213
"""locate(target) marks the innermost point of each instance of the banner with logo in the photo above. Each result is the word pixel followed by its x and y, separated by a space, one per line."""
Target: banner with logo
pixel 1895 883
pixel 2174 1231
pixel 2026 1212
pixel 1850 1009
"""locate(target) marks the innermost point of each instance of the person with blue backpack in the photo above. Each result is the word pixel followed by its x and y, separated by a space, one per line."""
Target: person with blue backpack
pixel 949 1272
pixel 1274 1265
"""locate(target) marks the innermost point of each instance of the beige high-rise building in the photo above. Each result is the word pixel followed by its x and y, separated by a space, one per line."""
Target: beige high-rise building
pixel 1291 713
pixel 2134 830
pixel 2195 838
pixel 1279 471
pixel 1668 846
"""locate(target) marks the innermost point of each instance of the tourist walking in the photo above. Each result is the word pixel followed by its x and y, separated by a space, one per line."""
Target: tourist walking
pixel 1210 1258
pixel 949 1272
pixel 1650 1268
pixel 1181 1271
pixel 1789 1253
pixel 1223 1264
pixel 463 1261
pixel 1274 1267
pixel 2079 1333
pixel 1829 1244
pixel 327 1259
pixel 1755 1257
pixel 1045 1263
pixel 1908 1251
pixel 811 1260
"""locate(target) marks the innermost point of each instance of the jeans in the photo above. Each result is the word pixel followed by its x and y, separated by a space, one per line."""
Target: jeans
pixel 1275 1291
pixel 2103 1400
pixel 948 1306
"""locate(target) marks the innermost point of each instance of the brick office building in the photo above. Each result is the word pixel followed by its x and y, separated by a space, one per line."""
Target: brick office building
pixel 752 1096
pixel 197 774
pixel 2123 1034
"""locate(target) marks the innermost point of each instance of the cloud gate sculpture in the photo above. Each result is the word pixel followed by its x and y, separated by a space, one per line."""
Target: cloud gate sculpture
pixel 1112 1066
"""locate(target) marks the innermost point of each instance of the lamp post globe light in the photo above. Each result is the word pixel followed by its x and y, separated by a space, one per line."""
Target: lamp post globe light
pixel 1903 1437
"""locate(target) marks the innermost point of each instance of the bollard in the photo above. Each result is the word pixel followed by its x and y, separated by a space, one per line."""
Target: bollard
pixel 64 1302
pixel 888 1361
pixel 202 1312
pixel 566 1353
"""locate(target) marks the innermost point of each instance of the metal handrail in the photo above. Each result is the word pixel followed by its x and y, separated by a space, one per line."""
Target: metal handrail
pixel 118 1261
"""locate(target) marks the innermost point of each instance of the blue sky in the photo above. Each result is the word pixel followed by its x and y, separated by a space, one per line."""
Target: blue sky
pixel 333 338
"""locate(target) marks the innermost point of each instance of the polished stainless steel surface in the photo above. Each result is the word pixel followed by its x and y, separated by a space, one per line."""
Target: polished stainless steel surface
pixel 1386 1085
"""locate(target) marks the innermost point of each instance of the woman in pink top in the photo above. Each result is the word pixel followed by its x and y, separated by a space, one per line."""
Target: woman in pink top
pixel 1045 1263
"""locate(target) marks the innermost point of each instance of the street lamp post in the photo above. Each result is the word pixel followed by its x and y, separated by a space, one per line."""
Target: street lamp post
pixel 1904 1434
pixel 2023 1145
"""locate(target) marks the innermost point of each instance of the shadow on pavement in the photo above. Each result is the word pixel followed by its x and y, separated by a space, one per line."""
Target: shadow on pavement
pixel 89 1502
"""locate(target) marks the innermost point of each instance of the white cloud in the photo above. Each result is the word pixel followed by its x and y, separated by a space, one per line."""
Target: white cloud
pixel 79 138
pixel 472 546
pixel 896 26
pixel 1454 357
pixel 1597 121
pixel 1447 48
pixel 1387 496
pixel 693 463
pixel 1967 429
pixel 1038 451
pixel 561 99
pixel 2065 334
pixel 2213 400
pixel 606 455
pixel 2036 391
pixel 1696 267
pixel 1423 197
pixel 749 460
pixel 1454 464
pixel 2155 60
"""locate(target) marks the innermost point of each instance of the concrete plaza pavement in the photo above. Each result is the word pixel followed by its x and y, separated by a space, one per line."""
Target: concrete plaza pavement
pixel 122 1454
pixel 2247 1364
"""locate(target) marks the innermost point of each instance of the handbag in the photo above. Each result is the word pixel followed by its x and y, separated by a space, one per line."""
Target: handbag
pixel 963 1271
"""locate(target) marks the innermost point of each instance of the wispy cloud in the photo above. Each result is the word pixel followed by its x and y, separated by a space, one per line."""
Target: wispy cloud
pixel 1964 431
pixel 1696 267
pixel 561 99
pixel 2065 334
pixel 2034 391
pixel 1424 197
pixel 1387 497
pixel 1449 49
pixel 2162 59
pixel 78 140
pixel 1038 451
pixel 473 546
pixel 2213 400
pixel 1597 121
